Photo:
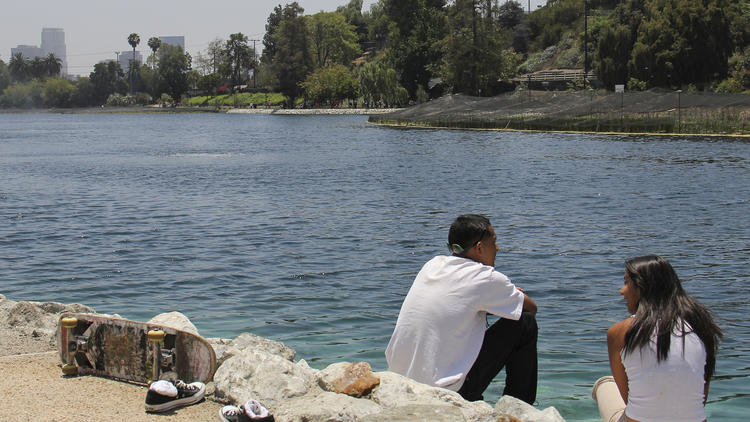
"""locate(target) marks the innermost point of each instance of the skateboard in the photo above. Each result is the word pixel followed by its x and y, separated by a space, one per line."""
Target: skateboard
pixel 92 344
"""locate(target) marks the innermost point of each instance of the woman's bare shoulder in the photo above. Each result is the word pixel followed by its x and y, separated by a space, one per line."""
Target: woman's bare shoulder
pixel 617 331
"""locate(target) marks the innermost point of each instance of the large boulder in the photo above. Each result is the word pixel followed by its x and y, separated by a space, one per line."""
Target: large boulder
pixel 225 348
pixel 257 374
pixel 174 320
pixel 323 406
pixel 417 412
pixel 512 406
pixel 398 391
pixel 33 324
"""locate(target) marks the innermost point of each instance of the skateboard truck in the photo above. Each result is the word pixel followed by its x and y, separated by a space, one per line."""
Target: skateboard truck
pixel 156 337
pixel 69 323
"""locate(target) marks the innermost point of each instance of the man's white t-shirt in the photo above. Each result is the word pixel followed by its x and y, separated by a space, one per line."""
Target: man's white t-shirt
pixel 441 325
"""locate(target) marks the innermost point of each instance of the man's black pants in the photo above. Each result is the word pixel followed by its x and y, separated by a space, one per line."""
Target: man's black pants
pixel 510 344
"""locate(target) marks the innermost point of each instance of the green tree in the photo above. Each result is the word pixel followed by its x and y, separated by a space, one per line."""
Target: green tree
pixel 53 65
pixel 293 61
pixel 174 65
pixel 23 95
pixel 269 39
pixel 133 40
pixel 19 68
pixel 154 44
pixel 352 12
pixel 416 30
pixel 58 92
pixel 378 25
pixel 473 57
pixel 330 84
pixel 333 40
pixel 4 76
pixel 211 62
pixel 149 80
pixel 378 85
pixel 107 78
pixel 612 55
pixel 83 94
pixel 38 68
pixel 548 24
pixel 683 41
pixel 238 59
pixel 510 14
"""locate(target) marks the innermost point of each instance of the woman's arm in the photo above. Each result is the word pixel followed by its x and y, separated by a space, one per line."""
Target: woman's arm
pixel 615 344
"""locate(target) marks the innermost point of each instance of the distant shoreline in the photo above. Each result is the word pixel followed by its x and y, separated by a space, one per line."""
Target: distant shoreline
pixel 168 110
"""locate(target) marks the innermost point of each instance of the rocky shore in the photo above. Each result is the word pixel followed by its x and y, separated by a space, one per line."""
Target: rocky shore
pixel 249 367
pixel 173 110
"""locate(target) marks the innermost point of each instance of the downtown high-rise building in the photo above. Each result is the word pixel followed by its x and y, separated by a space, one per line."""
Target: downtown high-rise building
pixel 177 41
pixel 53 42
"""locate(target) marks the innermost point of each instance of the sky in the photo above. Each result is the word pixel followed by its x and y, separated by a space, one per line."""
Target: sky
pixel 96 29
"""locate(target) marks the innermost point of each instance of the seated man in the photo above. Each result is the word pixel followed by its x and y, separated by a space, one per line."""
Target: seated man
pixel 440 337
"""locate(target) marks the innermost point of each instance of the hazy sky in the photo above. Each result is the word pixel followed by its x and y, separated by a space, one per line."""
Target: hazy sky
pixel 95 29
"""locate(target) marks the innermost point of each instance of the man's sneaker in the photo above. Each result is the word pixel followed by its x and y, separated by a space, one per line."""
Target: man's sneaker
pixel 164 395
pixel 251 411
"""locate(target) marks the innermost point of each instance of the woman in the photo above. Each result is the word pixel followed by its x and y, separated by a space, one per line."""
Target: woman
pixel 662 356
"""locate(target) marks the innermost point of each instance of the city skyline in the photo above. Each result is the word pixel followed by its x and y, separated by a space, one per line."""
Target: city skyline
pixel 95 30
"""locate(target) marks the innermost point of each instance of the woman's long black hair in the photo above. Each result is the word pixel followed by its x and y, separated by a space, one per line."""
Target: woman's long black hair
pixel 665 307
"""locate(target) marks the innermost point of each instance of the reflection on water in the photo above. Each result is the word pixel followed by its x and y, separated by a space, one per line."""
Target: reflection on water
pixel 309 230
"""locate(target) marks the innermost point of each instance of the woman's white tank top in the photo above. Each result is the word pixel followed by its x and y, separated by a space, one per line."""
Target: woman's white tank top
pixel 670 390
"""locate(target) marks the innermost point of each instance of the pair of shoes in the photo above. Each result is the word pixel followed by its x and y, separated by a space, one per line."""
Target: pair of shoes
pixel 164 395
pixel 251 411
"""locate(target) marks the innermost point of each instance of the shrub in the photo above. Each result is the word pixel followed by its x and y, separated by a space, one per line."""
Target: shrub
pixel 119 100
pixel 58 92
pixel 636 85
pixel 142 98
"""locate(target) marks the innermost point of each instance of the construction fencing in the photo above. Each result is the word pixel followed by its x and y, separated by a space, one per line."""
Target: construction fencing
pixel 654 111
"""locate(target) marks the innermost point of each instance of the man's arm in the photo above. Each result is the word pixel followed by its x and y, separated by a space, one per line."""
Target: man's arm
pixel 528 304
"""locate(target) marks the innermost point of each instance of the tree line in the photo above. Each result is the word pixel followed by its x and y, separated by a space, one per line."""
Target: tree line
pixel 412 50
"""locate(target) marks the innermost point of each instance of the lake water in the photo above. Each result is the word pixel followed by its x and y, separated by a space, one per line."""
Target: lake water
pixel 310 229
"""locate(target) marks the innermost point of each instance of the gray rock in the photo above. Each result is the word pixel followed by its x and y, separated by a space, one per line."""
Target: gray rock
pixel 397 391
pixel 174 320
pixel 417 412
pixel 323 406
pixel 227 348
pixel 353 379
pixel 36 321
pixel 255 373
pixel 263 369
pixel 512 406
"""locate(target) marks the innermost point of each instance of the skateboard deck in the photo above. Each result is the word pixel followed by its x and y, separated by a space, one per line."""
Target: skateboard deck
pixel 130 350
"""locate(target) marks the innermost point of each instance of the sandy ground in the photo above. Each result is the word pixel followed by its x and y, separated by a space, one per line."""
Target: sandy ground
pixel 34 389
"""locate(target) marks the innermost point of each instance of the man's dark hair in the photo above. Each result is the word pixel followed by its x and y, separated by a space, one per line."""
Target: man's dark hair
pixel 466 231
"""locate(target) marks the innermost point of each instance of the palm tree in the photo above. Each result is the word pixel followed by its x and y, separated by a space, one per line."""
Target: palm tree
pixel 154 43
pixel 19 67
pixel 133 40
pixel 53 65
pixel 37 68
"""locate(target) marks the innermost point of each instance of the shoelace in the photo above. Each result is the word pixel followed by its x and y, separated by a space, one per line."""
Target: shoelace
pixel 235 411
pixel 185 388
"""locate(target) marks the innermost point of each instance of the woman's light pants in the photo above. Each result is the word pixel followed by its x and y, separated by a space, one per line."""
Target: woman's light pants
pixel 608 398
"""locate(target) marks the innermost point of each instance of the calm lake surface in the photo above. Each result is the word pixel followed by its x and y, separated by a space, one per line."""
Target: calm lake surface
pixel 310 229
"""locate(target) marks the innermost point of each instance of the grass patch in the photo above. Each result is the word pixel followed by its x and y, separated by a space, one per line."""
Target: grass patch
pixel 242 99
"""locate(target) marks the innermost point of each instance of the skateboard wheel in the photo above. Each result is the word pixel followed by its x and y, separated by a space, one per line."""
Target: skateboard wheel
pixel 69 369
pixel 69 322
pixel 156 335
